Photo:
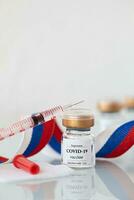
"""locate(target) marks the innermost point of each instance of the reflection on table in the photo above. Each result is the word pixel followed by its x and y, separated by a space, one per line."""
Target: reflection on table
pixel 107 182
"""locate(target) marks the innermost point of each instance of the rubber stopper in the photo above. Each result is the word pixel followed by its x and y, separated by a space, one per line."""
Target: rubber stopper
pixel 23 163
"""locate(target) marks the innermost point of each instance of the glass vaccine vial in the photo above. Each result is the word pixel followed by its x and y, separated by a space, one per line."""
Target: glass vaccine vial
pixel 109 112
pixel 129 108
pixel 78 143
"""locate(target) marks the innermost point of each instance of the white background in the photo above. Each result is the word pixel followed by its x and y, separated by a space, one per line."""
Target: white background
pixel 55 51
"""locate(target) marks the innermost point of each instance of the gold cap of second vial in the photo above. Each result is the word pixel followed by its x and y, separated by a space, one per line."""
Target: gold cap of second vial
pixel 109 106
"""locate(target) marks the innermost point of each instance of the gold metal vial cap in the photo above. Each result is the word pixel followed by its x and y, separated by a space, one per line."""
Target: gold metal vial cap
pixel 109 106
pixel 78 118
pixel 129 102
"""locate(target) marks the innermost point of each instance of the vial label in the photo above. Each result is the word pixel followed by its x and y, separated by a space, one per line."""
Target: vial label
pixel 78 152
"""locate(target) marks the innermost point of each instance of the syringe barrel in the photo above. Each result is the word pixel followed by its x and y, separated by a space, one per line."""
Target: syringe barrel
pixel 33 121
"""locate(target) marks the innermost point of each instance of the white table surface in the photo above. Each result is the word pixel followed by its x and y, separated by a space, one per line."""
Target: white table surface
pixel 108 181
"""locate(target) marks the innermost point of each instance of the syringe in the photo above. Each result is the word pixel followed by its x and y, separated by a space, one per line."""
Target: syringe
pixel 33 120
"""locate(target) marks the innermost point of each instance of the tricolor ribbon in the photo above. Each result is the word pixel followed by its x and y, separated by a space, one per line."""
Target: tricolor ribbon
pixel 115 141
pixel 109 144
